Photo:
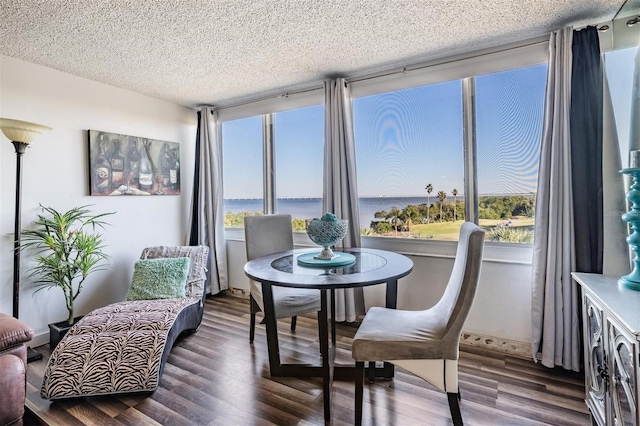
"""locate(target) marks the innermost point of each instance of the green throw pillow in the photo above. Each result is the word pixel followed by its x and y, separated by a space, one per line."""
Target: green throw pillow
pixel 162 278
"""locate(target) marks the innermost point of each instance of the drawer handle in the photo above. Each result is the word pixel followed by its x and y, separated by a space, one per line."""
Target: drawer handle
pixel 604 373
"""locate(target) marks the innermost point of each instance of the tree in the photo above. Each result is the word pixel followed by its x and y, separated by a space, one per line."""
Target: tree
pixel 455 202
pixel 441 197
pixel 410 214
pixel 393 215
pixel 429 189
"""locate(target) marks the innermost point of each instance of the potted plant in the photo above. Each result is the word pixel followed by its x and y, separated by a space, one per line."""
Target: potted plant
pixel 67 249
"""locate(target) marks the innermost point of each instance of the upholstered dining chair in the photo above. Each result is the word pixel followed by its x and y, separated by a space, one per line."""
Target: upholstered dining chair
pixel 270 234
pixel 425 343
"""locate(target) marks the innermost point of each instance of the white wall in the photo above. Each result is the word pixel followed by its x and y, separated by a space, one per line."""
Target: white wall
pixel 55 173
pixel 502 307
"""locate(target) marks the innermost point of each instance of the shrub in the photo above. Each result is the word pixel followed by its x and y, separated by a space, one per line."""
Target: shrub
pixel 510 235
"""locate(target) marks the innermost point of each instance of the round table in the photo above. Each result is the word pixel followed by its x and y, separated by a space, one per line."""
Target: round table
pixel 371 267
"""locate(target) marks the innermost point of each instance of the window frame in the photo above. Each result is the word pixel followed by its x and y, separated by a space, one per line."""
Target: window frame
pixel 267 109
pixel 463 67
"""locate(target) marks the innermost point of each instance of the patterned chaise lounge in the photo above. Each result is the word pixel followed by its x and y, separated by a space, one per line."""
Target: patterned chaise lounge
pixel 123 347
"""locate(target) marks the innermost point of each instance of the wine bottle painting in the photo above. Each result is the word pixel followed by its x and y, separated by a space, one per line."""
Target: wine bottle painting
pixel 132 165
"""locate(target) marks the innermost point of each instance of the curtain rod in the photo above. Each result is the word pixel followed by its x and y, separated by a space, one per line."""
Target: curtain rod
pixel 266 98
pixel 534 42
pixel 370 76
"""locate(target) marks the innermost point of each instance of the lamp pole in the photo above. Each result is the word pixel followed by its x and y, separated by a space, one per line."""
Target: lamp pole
pixel 20 133
pixel 20 150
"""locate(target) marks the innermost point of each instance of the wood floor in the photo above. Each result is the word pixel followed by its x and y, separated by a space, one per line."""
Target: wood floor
pixel 215 377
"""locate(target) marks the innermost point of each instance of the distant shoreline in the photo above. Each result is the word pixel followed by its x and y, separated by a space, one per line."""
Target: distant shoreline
pixel 307 208
pixel 377 197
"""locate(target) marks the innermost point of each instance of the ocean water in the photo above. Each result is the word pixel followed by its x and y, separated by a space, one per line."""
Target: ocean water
pixel 307 208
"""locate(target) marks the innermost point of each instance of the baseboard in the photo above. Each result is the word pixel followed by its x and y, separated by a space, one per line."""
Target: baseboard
pixel 497 344
pixel 39 340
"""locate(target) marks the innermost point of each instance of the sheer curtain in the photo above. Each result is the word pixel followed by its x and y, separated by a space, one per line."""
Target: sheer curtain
pixel 206 224
pixel 340 194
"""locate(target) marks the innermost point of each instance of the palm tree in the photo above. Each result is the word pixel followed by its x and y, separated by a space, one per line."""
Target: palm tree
pixel 455 195
pixel 429 189
pixel 393 215
pixel 441 197
pixel 410 214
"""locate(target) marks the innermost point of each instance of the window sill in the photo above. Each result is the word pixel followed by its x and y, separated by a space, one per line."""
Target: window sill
pixel 512 253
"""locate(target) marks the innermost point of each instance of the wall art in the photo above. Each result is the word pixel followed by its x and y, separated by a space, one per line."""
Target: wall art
pixel 132 165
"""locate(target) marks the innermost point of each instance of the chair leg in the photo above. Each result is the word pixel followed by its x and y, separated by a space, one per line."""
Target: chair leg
pixel 359 379
pixel 293 323
pixel 253 308
pixel 454 407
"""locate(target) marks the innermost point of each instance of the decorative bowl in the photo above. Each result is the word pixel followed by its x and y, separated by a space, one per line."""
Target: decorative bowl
pixel 326 232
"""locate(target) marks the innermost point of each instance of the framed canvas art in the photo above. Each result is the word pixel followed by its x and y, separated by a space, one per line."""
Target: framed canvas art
pixel 132 165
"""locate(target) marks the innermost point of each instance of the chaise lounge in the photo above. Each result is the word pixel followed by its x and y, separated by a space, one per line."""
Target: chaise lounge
pixel 123 347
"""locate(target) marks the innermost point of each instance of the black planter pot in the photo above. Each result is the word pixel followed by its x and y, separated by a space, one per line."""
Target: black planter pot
pixel 58 330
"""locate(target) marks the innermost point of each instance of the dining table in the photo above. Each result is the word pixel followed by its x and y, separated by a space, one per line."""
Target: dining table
pixel 292 269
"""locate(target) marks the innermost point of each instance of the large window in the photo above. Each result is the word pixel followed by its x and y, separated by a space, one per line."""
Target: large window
pixel 509 109
pixel 429 156
pixel 272 163
pixel 409 153
pixel 299 141
pixel 435 146
pixel 242 169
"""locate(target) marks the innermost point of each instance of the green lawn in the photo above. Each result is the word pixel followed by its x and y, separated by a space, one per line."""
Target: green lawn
pixel 449 230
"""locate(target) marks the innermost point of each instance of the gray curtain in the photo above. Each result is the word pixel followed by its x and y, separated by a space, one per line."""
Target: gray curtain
pixel 554 294
pixel 586 150
pixel 340 194
pixel 206 225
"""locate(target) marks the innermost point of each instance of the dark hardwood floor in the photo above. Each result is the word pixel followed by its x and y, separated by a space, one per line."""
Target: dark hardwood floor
pixel 215 377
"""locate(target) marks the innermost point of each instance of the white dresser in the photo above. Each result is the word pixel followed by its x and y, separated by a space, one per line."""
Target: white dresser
pixel 611 331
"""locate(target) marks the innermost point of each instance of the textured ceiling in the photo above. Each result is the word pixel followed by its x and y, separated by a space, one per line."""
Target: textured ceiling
pixel 216 52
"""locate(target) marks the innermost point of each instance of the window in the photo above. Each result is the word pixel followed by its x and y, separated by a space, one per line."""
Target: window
pixel 509 109
pixel 435 146
pixel 272 163
pixel 430 157
pixel 299 151
pixel 621 65
pixel 409 152
pixel 242 169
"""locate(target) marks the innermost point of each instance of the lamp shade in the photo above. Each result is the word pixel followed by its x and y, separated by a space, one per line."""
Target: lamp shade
pixel 21 131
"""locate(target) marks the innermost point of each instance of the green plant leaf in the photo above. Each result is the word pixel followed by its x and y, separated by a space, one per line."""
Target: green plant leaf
pixel 65 254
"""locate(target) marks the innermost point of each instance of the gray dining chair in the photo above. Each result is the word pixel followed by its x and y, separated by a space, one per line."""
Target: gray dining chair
pixel 425 343
pixel 270 234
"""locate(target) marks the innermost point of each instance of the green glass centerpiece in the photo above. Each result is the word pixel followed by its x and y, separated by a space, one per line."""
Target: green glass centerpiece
pixel 327 232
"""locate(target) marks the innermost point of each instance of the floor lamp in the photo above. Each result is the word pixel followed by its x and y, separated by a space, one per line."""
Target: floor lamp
pixel 20 133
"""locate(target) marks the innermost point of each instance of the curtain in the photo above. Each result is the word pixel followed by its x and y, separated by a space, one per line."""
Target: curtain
pixel 340 194
pixel 206 225
pixel 554 295
pixel 586 150
pixel 575 163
